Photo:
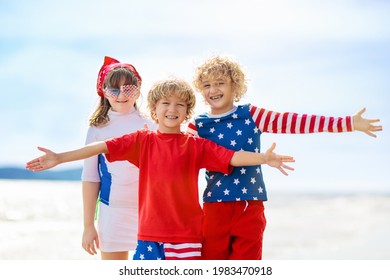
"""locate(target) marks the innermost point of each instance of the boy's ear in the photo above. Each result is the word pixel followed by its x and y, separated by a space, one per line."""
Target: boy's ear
pixel 236 96
pixel 154 116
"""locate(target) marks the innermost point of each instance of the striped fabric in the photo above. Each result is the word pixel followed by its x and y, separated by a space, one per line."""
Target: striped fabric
pixel 182 251
pixel 274 122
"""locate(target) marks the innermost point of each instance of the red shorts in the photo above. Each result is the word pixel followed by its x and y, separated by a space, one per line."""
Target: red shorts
pixel 233 230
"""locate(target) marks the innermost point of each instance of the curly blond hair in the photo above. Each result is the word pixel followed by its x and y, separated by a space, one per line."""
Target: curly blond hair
pixel 166 88
pixel 218 67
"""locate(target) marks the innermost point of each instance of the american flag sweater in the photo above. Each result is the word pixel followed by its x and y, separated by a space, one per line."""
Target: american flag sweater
pixel 240 129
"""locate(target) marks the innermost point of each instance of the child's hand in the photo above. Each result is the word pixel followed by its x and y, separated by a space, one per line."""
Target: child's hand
pixel 146 127
pixel 44 162
pixel 365 125
pixel 90 241
pixel 276 160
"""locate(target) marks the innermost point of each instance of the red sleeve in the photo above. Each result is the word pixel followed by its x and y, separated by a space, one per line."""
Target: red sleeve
pixel 216 158
pixel 126 147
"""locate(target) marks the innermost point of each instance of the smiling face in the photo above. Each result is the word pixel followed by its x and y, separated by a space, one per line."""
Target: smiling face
pixel 171 111
pixel 221 80
pixel 120 89
pixel 171 102
pixel 219 94
pixel 123 102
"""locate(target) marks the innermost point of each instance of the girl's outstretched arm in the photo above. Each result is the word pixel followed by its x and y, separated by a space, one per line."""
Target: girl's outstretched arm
pixel 365 125
pixel 51 159
pixel 243 158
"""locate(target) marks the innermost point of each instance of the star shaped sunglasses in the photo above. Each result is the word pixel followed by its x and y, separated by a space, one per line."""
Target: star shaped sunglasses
pixel 127 90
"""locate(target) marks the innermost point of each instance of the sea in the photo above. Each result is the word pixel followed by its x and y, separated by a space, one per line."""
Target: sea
pixel 42 220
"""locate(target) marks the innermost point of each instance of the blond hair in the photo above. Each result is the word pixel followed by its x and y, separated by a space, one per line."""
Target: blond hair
pixel 218 67
pixel 169 87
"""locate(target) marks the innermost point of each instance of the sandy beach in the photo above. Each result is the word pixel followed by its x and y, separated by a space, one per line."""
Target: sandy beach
pixel 42 220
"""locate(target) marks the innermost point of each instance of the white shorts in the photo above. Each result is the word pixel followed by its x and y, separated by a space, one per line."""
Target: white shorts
pixel 117 228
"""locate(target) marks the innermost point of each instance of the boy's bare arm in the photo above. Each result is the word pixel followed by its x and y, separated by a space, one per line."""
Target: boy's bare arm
pixel 51 159
pixel 243 158
pixel 365 125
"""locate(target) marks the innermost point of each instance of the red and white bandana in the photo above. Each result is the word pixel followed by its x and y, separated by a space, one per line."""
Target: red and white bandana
pixel 108 65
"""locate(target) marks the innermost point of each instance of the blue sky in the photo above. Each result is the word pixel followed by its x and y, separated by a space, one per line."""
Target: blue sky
pixel 306 56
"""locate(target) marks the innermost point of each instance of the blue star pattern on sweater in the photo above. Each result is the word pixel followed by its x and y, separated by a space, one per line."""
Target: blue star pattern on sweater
pixel 236 131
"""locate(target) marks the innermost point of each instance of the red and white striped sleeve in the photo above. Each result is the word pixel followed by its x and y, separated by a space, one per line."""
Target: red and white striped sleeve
pixel 293 123
pixel 192 128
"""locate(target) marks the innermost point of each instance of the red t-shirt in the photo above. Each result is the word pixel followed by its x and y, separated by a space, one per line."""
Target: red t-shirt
pixel 169 165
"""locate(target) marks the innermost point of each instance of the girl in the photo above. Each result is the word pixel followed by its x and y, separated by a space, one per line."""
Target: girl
pixel 115 185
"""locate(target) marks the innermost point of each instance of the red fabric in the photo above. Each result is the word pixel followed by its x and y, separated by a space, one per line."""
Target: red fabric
pixel 303 124
pixel 233 230
pixel 169 165
pixel 108 65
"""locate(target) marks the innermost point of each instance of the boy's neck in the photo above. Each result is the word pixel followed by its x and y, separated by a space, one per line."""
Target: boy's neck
pixel 169 130
pixel 222 111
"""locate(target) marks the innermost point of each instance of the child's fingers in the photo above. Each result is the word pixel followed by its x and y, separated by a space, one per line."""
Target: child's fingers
pixel 37 165
pixel 287 167
pixel 33 165
pixel 271 149
pixel 282 170
pixel 287 158
pixel 42 149
pixel 89 248
pixel 31 162
pixel 361 112
pixel 93 250
pixel 376 127
pixel 370 134
pixel 374 120
pixel 97 243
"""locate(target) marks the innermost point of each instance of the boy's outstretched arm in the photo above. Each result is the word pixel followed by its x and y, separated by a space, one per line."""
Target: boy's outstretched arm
pixel 51 159
pixel 243 158
pixel 365 125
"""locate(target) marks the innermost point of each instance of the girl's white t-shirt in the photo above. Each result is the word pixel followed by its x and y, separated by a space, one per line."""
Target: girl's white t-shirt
pixel 119 180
